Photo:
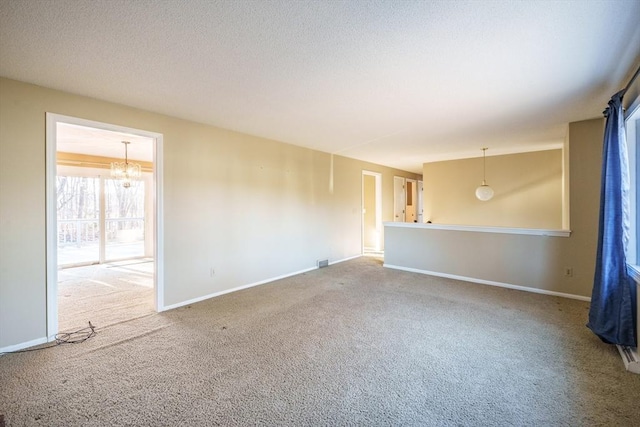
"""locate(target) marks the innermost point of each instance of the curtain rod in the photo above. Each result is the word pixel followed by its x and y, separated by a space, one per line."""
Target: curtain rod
pixel 633 78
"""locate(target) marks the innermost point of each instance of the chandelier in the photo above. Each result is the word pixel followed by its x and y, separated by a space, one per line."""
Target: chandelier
pixel 125 171
pixel 484 192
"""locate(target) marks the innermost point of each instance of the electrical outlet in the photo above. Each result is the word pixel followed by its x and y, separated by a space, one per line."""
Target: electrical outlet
pixel 568 271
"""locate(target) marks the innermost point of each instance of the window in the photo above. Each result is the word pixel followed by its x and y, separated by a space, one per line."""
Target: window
pixel 632 124
pixel 78 206
pixel 88 233
pixel 124 220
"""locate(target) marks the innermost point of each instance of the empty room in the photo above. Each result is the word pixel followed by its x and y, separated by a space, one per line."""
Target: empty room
pixel 238 212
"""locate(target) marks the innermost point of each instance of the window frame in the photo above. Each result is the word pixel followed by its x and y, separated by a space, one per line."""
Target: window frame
pixel 632 130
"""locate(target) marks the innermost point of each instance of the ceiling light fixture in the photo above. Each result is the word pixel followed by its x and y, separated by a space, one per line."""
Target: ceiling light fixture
pixel 484 192
pixel 125 171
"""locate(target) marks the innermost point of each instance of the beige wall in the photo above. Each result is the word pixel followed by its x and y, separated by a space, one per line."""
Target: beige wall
pixel 521 260
pixel 528 191
pixel 633 93
pixel 250 208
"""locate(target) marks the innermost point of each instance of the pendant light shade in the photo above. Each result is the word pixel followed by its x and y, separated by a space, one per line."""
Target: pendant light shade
pixel 125 171
pixel 484 192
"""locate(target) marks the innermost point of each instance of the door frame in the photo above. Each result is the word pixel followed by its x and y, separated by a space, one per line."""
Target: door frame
pixel 414 198
pixel 399 216
pixel 378 192
pixel 420 197
pixel 52 121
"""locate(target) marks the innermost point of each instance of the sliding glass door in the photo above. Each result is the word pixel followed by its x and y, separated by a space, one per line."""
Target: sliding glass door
pixel 78 220
pixel 99 220
pixel 124 220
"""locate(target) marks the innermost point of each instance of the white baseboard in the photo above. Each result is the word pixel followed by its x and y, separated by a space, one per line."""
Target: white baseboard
pixel 22 346
pixel 345 259
pixel 489 282
pixel 250 285
pixel 630 358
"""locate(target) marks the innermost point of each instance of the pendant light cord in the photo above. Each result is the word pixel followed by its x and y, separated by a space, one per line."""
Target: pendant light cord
pixel 126 153
pixel 484 166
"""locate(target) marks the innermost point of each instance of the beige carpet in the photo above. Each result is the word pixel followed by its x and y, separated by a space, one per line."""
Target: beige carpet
pixel 104 294
pixel 351 344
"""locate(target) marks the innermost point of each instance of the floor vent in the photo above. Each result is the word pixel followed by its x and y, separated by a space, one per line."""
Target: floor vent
pixel 323 263
pixel 630 359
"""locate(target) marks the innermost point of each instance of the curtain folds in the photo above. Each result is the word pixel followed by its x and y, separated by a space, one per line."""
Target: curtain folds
pixel 612 315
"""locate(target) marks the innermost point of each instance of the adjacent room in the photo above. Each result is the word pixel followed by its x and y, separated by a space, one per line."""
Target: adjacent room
pixel 222 212
pixel 104 223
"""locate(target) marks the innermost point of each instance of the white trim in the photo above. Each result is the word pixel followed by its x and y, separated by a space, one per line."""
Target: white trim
pixel 631 122
pixel 634 272
pixel 478 229
pixel 250 285
pixel 22 346
pixel 51 256
pixel 52 120
pixel 630 358
pixel 489 282
pixel 158 223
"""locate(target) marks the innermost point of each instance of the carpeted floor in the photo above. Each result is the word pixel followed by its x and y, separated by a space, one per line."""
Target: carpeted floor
pixel 351 344
pixel 104 294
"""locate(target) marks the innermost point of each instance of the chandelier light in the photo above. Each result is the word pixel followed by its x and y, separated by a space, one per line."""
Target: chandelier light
pixel 125 171
pixel 484 192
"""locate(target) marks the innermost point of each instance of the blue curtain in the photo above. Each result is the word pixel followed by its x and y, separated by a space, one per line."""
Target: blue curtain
pixel 612 315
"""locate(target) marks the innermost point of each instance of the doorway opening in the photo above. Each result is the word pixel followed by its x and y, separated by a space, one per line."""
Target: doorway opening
pixel 104 238
pixel 408 200
pixel 371 212
pixel 411 210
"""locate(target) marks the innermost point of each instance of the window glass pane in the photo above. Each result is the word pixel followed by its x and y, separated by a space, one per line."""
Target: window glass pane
pixel 124 220
pixel 632 125
pixel 78 206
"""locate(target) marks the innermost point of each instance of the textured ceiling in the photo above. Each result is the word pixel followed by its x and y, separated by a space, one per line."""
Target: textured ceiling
pixel 392 82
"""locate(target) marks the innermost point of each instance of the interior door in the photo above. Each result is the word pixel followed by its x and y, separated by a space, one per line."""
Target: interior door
pixel 399 202
pixel 412 202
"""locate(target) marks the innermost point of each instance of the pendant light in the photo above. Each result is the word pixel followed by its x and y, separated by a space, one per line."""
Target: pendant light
pixel 125 171
pixel 484 192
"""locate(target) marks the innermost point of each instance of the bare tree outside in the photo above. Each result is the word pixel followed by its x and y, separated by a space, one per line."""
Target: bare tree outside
pixel 78 212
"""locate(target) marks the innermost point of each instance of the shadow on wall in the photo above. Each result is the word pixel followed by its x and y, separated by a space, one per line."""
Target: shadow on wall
pixel 506 191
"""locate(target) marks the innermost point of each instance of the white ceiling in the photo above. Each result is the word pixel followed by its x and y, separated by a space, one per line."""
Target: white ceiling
pixel 71 138
pixel 392 82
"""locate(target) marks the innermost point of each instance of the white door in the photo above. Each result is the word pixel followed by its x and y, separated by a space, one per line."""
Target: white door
pixel 420 207
pixel 412 201
pixel 399 203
